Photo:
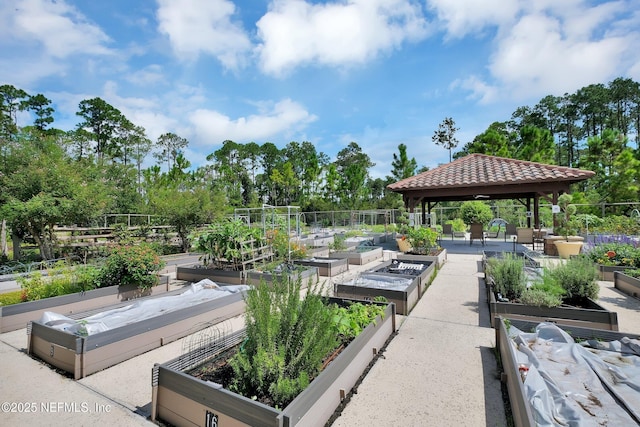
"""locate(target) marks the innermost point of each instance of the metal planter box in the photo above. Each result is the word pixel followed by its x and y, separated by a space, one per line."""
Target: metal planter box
pixel 520 405
pixel 196 273
pixel 308 275
pixel 360 256
pixel 17 316
pixel 627 284
pixel 595 316
pixel 84 355
pixel 404 294
pixel 424 271
pixel 327 267
pixel 183 400
pixel 438 259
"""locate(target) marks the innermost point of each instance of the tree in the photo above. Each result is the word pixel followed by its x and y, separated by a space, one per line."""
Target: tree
pixel 170 145
pixel 42 188
pixel 12 100
pixel 41 107
pixel 403 167
pixel 536 145
pixel 100 123
pixel 352 166
pixel 445 135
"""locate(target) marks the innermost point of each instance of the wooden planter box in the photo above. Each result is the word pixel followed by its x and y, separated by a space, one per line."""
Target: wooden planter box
pixel 627 284
pixel 595 316
pixel 607 271
pixel 183 400
pixel 195 273
pixel 359 257
pixel 309 276
pixel 405 292
pixel 327 267
pixel 17 316
pixel 438 259
pixel 84 355
pixel 424 271
pixel 521 407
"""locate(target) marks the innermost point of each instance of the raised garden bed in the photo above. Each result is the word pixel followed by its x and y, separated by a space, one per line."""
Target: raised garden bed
pixel 607 271
pixel 308 275
pixel 17 316
pixel 627 284
pixel 70 345
pixel 583 313
pixel 317 251
pixel 327 267
pixel 439 257
pixel 360 255
pixel 573 390
pixel 402 290
pixel 424 271
pixel 195 273
pixel 183 400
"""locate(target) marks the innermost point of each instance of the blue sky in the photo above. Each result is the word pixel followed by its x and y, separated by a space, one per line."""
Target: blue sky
pixel 377 72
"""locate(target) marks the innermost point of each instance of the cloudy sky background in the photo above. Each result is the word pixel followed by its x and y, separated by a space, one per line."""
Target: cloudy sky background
pixel 377 72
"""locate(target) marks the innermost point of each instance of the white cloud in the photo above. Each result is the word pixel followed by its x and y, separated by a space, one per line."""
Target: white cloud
pixel 54 25
pixel 295 32
pixel 147 76
pixel 213 127
pixel 462 17
pixel 204 26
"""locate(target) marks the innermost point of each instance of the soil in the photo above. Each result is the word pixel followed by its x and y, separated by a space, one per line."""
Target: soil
pixel 393 268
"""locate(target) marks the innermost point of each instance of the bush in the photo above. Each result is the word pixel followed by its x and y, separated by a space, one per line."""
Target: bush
pixel 508 275
pixel 578 276
pixel 131 265
pixel 475 212
pixel 287 339
pixel 422 239
pixel 62 279
pixel 546 292
pixel 457 224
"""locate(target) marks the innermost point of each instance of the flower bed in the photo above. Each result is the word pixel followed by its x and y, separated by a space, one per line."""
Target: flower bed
pixel 566 389
pixel 308 275
pixel 402 290
pixel 182 399
pixel 613 253
pixel 69 345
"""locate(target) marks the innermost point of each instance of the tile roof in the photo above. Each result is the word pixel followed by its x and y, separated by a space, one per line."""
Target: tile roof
pixel 481 170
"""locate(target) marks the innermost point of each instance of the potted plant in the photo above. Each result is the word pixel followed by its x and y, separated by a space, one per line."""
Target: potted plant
pixel 475 212
pixel 567 228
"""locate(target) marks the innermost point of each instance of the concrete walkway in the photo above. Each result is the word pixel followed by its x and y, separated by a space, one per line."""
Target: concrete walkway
pixel 440 369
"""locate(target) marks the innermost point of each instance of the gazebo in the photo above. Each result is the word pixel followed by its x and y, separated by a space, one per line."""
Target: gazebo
pixel 483 177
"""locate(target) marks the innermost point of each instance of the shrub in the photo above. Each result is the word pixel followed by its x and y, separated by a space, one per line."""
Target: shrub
pixel 475 212
pixel 578 276
pixel 508 275
pixel 62 279
pixel 540 298
pixel 457 224
pixel 9 298
pixel 422 239
pixel 131 265
pixel 287 338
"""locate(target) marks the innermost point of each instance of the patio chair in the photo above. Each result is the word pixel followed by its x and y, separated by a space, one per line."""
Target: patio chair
pixel 447 229
pixel 476 232
pixel 525 237
pixel 493 234
pixel 509 230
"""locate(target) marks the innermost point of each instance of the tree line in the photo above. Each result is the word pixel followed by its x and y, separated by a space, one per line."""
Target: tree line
pixel 53 177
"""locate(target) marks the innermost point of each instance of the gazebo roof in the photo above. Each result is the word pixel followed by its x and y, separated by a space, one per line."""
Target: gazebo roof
pixel 479 176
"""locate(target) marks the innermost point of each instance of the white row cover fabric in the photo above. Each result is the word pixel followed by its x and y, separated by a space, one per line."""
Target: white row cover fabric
pixel 578 384
pixel 377 281
pixel 203 291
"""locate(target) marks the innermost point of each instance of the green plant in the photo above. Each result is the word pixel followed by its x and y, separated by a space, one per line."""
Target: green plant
pixel 508 275
pixel 9 298
pixel 227 243
pixel 578 277
pixel 338 243
pixel 422 239
pixel 352 319
pixel 475 212
pixel 62 279
pixel 539 298
pixel 458 225
pixel 287 339
pixel 135 265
